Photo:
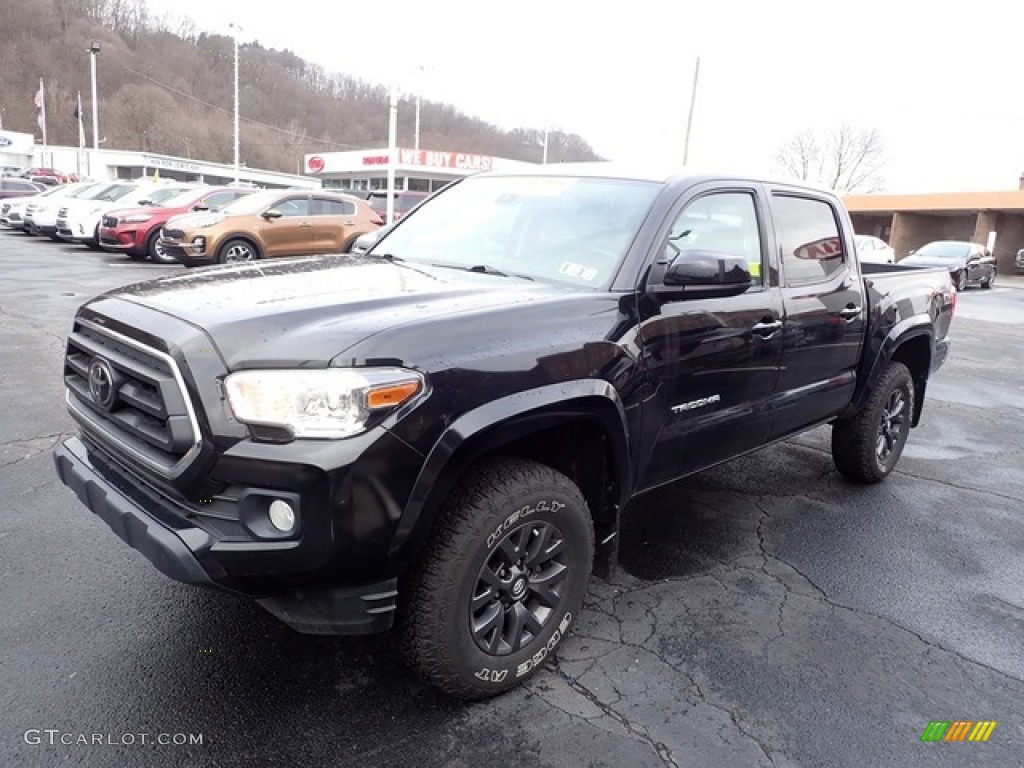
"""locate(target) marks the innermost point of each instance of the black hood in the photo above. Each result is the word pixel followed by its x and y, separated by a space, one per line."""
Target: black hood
pixel 310 310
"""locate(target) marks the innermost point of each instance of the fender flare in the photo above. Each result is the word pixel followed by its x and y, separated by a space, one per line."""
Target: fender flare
pixel 502 421
pixel 906 330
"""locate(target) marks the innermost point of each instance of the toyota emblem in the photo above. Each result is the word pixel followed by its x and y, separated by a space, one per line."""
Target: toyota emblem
pixel 101 383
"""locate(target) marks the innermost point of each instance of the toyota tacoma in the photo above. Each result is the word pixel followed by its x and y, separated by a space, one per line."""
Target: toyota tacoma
pixel 440 436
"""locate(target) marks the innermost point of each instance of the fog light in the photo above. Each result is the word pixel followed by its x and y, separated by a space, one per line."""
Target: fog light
pixel 282 515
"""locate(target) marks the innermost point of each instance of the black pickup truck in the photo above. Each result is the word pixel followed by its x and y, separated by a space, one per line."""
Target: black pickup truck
pixel 442 433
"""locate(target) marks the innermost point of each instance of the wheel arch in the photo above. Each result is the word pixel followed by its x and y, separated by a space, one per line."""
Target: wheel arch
pixel 576 428
pixel 911 343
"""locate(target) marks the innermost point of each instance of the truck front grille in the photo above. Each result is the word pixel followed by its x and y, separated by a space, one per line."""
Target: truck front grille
pixel 130 398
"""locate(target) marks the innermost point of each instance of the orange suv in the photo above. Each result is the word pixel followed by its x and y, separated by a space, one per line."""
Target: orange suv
pixel 269 224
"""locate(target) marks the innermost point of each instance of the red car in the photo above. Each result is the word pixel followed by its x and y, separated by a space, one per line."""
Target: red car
pixel 63 178
pixel 136 231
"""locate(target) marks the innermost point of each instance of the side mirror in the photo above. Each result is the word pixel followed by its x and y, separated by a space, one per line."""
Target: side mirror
pixel 145 201
pixel 271 213
pixel 706 274
pixel 200 207
pixel 911 252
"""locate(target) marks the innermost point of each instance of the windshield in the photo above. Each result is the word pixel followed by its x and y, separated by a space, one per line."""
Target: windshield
pixel 559 229
pixel 944 250
pixel 257 201
pixel 162 195
pixel 184 199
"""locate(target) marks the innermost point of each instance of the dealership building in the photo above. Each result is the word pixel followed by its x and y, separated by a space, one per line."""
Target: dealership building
pixel 421 170
pixel 907 222
pixel 113 164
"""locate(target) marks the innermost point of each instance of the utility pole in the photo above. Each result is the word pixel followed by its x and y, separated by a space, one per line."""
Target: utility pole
pixel 689 118
pixel 236 29
pixel 392 152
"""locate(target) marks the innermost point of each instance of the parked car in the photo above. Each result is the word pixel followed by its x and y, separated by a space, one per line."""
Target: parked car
pixel 269 224
pixel 17 188
pixel 61 178
pixel 136 231
pixel 40 216
pixel 81 220
pixel 11 170
pixel 444 436
pixel 1020 259
pixel 13 209
pixel 405 201
pixel 874 250
pixel 967 262
pixel 363 243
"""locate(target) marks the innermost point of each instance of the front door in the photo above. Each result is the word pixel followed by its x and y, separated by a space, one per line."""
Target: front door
pixel 291 234
pixel 712 362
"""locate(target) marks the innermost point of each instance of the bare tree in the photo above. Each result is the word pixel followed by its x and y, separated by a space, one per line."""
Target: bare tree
pixel 847 158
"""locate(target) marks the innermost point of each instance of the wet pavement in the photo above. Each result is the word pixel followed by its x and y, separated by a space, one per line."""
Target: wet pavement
pixel 765 613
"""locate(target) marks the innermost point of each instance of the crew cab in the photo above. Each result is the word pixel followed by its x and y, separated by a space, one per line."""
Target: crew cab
pixel 443 433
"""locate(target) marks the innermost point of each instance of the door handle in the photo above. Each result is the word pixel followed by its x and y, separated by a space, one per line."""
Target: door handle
pixel 305 224
pixel 850 312
pixel 767 329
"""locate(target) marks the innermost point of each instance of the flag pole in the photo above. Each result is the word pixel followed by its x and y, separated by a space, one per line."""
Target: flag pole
pixel 42 114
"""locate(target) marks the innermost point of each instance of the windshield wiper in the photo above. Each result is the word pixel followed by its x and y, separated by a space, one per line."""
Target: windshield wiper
pixel 483 269
pixel 385 256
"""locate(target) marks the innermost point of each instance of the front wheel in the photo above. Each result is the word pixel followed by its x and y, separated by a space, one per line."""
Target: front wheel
pixel 236 251
pixel 866 447
pixel 156 252
pixel 961 281
pixel 501 581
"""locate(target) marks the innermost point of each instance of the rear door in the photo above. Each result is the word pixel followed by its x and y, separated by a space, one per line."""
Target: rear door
pixel 291 234
pixel 333 224
pixel 825 308
pixel 712 362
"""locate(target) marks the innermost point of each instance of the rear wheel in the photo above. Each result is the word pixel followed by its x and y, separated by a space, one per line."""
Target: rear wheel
pixel 501 581
pixel 236 251
pixel 988 281
pixel 866 447
pixel 961 280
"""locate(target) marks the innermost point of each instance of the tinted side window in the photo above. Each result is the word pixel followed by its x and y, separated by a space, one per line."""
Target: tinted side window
pixel 809 241
pixel 296 206
pixel 725 222
pixel 333 207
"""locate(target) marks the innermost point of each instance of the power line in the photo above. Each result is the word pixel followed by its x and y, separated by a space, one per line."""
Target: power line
pixel 177 91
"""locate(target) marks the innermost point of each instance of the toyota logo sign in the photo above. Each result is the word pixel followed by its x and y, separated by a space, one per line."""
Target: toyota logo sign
pixel 315 163
pixel 101 383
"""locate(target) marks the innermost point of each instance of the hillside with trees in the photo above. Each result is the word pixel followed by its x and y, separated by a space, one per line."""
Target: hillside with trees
pixel 166 88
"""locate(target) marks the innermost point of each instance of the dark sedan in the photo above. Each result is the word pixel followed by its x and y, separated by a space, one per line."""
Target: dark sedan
pixel 967 262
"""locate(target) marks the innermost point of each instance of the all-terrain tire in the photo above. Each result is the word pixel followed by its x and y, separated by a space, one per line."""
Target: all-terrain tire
pixel 500 581
pixel 867 446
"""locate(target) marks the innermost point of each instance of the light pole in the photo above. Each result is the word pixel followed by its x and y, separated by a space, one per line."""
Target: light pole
pixel 236 29
pixel 392 152
pixel 94 50
pixel 544 157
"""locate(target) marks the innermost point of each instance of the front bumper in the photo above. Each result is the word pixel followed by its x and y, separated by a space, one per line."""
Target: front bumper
pixel 113 239
pixel 294 578
pixel 192 253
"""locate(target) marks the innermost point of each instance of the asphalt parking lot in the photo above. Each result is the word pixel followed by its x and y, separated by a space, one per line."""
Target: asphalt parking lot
pixel 766 613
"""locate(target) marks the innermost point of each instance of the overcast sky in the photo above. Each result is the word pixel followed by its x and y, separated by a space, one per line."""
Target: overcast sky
pixel 945 90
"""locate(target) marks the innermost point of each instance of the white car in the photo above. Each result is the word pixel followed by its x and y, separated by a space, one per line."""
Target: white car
pixel 79 220
pixel 12 210
pixel 40 216
pixel 874 250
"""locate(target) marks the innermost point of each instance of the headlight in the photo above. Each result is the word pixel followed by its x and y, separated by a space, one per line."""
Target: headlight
pixel 331 403
pixel 137 218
